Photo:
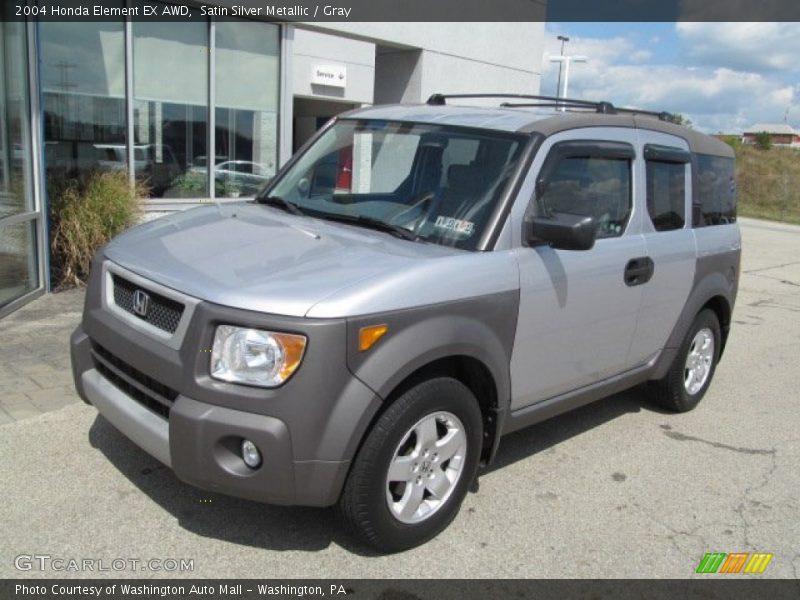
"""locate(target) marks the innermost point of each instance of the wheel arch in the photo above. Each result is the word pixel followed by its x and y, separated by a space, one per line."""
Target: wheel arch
pixel 721 307
pixel 468 340
pixel 716 292
pixel 471 372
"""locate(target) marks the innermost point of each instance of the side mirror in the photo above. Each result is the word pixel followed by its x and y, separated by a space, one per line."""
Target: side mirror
pixel 561 231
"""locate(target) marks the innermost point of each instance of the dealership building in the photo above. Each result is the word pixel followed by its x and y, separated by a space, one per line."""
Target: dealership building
pixel 208 109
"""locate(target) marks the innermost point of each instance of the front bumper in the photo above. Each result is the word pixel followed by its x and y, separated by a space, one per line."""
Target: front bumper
pixel 307 430
pixel 200 441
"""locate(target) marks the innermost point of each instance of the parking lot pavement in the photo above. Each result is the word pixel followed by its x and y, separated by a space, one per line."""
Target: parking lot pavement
pixel 616 489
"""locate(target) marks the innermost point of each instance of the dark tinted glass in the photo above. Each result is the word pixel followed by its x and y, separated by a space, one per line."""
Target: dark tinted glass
pixel 666 187
pixel 595 186
pixel 715 191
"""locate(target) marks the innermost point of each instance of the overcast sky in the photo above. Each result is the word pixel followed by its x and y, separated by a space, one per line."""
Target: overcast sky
pixel 723 76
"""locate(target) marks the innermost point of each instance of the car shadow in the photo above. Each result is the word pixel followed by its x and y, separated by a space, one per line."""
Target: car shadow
pixel 217 516
pixel 542 436
pixel 280 528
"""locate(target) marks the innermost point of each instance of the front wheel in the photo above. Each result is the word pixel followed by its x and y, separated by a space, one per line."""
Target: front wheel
pixel 415 466
pixel 691 372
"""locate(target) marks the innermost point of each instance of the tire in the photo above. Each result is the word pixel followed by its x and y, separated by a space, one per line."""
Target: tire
pixel 677 391
pixel 380 510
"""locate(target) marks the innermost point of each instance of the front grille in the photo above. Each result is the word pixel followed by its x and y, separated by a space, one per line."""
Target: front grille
pixel 148 392
pixel 162 312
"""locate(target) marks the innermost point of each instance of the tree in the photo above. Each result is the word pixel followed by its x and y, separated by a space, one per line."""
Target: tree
pixel 763 140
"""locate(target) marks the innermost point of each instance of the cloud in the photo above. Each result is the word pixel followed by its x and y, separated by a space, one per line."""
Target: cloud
pixel 758 47
pixel 716 96
pixel 600 49
pixel 641 55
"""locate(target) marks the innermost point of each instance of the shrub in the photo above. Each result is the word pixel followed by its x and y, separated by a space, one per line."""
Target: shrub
pixel 733 141
pixel 763 140
pixel 194 185
pixel 189 185
pixel 84 215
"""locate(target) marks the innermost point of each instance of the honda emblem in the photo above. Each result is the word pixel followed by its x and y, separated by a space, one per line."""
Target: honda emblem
pixel 141 302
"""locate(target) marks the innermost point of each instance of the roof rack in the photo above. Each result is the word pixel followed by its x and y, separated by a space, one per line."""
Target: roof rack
pixel 602 107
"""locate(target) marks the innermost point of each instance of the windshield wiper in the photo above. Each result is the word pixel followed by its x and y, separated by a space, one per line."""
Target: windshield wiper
pixel 279 202
pixel 371 223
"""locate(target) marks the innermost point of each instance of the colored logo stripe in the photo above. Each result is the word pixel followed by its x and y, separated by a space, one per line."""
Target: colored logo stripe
pixel 758 563
pixel 711 562
pixel 734 562
pixel 720 562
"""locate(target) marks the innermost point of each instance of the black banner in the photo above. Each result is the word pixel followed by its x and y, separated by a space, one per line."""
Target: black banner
pixel 728 588
pixel 406 10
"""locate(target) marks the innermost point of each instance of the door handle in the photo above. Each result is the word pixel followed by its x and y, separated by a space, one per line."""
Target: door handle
pixel 638 271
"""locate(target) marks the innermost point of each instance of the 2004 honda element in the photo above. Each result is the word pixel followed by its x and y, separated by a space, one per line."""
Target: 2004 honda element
pixel 416 282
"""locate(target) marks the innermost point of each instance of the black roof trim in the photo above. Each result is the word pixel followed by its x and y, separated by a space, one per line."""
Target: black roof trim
pixel 602 107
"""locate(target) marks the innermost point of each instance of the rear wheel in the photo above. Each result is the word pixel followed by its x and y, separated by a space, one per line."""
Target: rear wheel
pixel 691 372
pixel 415 466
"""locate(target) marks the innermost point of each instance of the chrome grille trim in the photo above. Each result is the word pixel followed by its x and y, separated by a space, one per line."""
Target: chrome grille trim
pixel 162 312
pixel 171 339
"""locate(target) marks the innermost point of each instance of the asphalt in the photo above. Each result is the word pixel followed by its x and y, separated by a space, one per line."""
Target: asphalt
pixel 617 489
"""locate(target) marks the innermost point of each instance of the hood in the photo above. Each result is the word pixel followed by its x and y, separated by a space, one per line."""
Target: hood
pixel 256 257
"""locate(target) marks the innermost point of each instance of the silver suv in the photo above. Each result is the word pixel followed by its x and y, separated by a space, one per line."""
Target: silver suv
pixel 415 283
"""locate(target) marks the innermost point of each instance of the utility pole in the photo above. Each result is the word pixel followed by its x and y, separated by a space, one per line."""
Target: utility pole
pixel 566 61
pixel 563 39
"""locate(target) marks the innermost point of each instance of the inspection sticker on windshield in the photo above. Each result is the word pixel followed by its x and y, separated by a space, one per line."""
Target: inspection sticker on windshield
pixel 456 225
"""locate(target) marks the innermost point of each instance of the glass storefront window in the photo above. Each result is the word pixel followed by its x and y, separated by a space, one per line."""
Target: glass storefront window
pixel 15 150
pixel 83 81
pixel 246 113
pixel 19 273
pixel 83 99
pixel 170 67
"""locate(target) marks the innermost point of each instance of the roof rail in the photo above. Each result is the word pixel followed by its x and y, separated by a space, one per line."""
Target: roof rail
pixel 602 107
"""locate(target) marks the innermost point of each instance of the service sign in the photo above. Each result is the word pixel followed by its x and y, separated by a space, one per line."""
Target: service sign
pixel 333 75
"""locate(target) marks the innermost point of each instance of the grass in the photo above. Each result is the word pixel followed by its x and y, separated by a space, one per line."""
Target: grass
pixel 85 214
pixel 768 182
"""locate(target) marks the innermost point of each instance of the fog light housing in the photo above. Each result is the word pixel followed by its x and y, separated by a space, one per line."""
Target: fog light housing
pixel 250 454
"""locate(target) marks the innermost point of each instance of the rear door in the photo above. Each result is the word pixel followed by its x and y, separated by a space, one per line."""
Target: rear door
pixel 577 314
pixel 665 172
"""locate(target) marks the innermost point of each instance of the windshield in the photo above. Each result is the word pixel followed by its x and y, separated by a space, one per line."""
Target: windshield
pixel 439 183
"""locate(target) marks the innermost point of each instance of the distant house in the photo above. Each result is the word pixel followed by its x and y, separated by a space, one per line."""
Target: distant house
pixel 782 134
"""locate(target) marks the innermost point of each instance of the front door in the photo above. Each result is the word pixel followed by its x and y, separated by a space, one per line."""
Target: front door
pixel 578 309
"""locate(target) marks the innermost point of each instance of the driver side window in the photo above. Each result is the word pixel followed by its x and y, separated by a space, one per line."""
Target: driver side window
pixel 595 186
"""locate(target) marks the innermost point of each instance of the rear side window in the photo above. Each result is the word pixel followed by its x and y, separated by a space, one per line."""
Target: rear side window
pixel 715 191
pixel 599 187
pixel 666 194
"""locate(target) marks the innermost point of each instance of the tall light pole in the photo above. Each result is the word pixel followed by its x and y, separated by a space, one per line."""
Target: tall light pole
pixel 563 39
pixel 566 60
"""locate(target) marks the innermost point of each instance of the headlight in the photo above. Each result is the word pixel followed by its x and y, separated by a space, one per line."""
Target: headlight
pixel 255 357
